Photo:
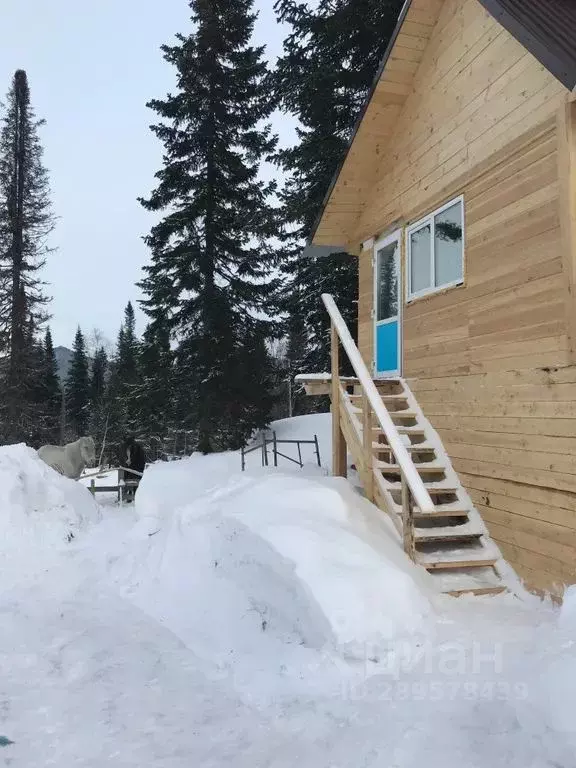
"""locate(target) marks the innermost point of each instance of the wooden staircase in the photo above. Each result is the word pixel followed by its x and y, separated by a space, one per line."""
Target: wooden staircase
pixel 451 541
pixel 404 470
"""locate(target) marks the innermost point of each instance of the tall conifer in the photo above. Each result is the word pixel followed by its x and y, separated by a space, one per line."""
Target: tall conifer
pixel 98 423
pixel 25 223
pixel 51 393
pixel 78 389
pixel 211 279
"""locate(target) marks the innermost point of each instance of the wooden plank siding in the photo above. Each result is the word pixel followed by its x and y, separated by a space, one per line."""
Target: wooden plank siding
pixel 490 362
pixel 475 91
pixel 490 365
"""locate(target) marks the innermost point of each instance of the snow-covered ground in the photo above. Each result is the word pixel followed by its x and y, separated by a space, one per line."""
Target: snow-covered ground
pixel 264 619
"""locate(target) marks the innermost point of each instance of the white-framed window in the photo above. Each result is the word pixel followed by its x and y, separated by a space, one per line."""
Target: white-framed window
pixel 435 248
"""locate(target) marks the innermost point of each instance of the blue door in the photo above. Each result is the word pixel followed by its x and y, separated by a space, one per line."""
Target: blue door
pixel 387 307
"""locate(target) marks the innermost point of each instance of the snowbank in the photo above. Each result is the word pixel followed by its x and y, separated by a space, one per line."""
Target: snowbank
pixel 344 552
pixel 42 512
pixel 551 683
pixel 267 558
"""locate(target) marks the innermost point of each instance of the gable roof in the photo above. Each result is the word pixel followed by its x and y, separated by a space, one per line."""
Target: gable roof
pixel 546 28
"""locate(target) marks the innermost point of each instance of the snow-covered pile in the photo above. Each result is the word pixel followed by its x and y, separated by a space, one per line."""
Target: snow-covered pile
pixel 550 706
pixel 267 558
pixel 41 513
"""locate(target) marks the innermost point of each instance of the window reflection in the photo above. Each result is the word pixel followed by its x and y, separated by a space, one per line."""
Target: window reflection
pixel 420 254
pixel 448 245
pixel 387 282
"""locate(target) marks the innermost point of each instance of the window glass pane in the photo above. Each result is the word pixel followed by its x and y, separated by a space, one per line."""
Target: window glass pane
pixel 387 259
pixel 448 246
pixel 420 259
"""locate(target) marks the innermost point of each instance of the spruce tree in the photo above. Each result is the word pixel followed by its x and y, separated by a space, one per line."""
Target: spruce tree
pixel 122 404
pixel 51 393
pixel 98 423
pixel 329 62
pixel 78 389
pixel 98 375
pixel 30 419
pixel 155 393
pixel 126 372
pixel 128 349
pixel 211 277
pixel 25 223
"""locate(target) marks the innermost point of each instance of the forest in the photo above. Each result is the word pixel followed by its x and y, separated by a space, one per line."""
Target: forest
pixel 231 300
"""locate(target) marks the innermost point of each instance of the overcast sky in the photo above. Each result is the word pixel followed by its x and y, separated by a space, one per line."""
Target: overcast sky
pixel 92 66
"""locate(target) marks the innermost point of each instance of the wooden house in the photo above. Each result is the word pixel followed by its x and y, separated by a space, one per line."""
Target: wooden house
pixel 458 196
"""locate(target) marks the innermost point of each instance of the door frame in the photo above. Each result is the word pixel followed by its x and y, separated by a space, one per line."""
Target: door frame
pixel 395 236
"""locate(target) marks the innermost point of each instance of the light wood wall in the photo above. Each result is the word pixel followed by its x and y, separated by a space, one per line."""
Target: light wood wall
pixel 489 361
pixel 510 314
pixel 475 91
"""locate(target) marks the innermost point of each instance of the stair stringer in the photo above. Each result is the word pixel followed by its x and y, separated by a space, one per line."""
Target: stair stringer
pixel 382 496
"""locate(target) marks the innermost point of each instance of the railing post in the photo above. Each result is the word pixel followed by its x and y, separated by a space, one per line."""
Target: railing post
pixel 407 520
pixel 367 444
pixel 339 458
pixel 317 448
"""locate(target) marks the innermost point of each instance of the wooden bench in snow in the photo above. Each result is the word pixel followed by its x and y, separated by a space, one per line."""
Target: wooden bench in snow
pixel 320 383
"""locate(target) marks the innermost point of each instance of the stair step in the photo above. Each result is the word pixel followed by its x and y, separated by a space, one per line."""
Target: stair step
pixel 463 562
pixel 441 557
pixel 477 581
pixel 385 398
pixel 448 533
pixel 423 469
pixel 444 510
pixel 405 414
pixel 416 431
pixel 413 448
pixel 434 489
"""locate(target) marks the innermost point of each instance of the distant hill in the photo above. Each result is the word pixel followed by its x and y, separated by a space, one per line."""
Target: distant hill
pixel 63 359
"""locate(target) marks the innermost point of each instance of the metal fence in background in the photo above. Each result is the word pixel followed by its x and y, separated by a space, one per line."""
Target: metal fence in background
pixel 265 442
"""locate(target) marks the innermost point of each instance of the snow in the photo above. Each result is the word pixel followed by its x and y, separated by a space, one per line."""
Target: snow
pixel 41 512
pixel 321 377
pixel 312 568
pixel 262 619
pixel 313 377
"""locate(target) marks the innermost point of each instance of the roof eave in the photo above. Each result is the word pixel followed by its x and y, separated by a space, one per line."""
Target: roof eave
pixel 381 68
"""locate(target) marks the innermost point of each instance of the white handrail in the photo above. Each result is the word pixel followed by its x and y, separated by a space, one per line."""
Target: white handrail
pixel 413 479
